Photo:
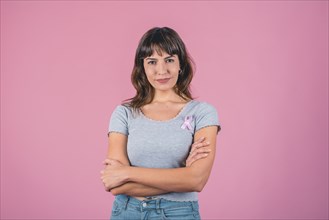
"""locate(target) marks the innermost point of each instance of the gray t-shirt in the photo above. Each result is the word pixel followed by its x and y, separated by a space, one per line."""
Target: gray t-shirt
pixel 163 144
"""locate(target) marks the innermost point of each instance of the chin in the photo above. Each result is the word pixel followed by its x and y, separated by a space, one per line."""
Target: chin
pixel 164 89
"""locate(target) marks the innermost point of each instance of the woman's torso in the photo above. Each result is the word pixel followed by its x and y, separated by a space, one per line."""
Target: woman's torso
pixel 162 112
pixel 162 137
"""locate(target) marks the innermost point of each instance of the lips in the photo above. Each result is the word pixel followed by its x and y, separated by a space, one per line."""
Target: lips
pixel 165 80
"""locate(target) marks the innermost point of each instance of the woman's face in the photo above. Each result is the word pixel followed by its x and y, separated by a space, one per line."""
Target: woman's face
pixel 162 71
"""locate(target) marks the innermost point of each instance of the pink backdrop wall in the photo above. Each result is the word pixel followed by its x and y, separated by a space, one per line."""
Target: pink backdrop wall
pixel 65 65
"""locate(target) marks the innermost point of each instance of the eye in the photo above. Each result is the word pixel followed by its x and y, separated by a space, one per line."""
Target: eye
pixel 151 62
pixel 171 60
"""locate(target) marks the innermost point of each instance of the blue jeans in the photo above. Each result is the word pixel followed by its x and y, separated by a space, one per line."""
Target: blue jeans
pixel 127 207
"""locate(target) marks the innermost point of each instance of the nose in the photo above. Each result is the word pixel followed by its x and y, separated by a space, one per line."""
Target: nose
pixel 161 68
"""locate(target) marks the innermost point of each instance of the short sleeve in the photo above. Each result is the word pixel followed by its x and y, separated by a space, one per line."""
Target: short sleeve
pixel 119 120
pixel 207 116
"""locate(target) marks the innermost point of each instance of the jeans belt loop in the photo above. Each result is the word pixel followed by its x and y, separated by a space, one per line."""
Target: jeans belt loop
pixel 126 202
pixel 157 205
pixel 194 206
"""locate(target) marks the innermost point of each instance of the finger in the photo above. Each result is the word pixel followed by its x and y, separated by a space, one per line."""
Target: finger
pixel 199 140
pixel 196 152
pixel 192 153
pixel 190 158
pixel 109 161
pixel 115 162
pixel 195 146
pixel 203 150
pixel 206 143
pixel 187 162
pixel 197 157
pixel 106 188
pixel 106 161
pixel 199 151
pixel 198 146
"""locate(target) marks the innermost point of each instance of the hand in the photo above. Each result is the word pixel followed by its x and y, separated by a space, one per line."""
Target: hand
pixel 112 162
pixel 198 151
pixel 113 174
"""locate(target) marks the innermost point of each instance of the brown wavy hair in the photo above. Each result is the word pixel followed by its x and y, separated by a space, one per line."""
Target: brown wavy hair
pixel 160 39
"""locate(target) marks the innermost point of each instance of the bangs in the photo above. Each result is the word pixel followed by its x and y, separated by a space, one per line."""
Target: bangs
pixel 158 43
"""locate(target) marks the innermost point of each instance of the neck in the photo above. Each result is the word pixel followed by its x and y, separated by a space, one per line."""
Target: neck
pixel 166 96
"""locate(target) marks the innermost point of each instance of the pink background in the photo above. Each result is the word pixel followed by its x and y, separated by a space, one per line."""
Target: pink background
pixel 65 65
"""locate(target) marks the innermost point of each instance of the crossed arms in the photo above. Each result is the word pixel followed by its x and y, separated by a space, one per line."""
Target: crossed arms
pixel 121 178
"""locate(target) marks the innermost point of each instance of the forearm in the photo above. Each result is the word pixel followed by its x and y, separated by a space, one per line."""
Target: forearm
pixel 137 189
pixel 184 179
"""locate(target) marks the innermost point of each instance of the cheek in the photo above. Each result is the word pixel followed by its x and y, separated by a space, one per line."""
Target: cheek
pixel 150 78
pixel 174 69
pixel 149 74
pixel 149 71
pixel 174 72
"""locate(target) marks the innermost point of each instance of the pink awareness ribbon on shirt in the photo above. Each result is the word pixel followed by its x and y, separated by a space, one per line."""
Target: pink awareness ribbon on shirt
pixel 187 122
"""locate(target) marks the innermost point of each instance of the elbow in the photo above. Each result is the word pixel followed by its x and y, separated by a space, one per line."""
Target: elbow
pixel 198 188
pixel 115 191
pixel 199 182
pixel 199 185
pixel 121 190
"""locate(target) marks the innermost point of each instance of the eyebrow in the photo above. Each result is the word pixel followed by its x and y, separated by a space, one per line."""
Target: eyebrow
pixel 149 58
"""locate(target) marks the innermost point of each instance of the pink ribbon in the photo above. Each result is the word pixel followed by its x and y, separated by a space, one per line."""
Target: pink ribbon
pixel 187 122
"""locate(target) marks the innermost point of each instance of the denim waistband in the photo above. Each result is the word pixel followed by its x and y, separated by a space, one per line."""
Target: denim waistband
pixel 153 203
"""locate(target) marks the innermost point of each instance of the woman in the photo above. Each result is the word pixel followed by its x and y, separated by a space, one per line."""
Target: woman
pixel 162 141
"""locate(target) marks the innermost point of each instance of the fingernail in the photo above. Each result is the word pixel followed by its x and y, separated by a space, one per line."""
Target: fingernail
pixel 205 155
